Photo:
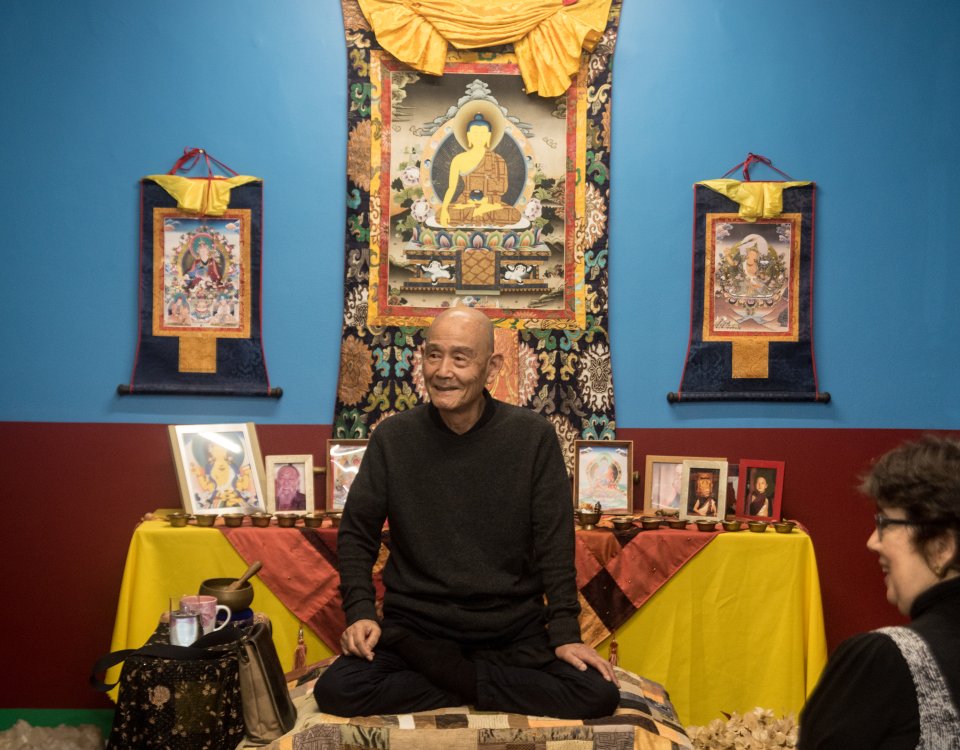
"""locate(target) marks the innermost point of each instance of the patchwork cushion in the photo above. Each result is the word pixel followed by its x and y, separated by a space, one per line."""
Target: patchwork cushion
pixel 645 719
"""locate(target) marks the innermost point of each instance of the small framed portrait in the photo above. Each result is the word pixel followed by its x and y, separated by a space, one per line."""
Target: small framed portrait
pixel 603 473
pixel 704 493
pixel 663 482
pixel 760 489
pixel 290 484
pixel 219 468
pixel 343 463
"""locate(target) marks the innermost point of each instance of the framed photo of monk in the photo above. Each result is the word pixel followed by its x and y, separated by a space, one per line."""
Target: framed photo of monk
pixel 290 484
pixel 663 482
pixel 704 490
pixel 760 489
pixel 343 463
pixel 219 468
pixel 603 473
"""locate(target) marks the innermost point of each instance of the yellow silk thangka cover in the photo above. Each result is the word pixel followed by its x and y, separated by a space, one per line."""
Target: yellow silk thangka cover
pixel 466 189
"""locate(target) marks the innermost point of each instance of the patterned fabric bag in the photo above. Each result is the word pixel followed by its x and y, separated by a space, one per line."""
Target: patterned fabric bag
pixel 176 697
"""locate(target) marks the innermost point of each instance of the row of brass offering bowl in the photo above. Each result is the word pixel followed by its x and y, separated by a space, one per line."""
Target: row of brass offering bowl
pixel 260 519
pixel 179 520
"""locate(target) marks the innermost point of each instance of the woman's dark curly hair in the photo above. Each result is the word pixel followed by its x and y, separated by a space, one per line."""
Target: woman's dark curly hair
pixel 922 478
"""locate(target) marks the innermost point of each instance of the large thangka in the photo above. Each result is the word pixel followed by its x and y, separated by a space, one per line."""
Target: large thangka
pixel 465 189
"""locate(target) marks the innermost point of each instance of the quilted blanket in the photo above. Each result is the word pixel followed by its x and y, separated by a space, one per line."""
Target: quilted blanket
pixel 645 720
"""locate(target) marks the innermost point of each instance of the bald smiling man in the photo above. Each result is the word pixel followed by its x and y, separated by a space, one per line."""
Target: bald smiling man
pixel 480 603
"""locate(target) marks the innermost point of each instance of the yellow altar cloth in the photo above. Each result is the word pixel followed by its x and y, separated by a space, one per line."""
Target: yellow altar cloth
pixel 739 626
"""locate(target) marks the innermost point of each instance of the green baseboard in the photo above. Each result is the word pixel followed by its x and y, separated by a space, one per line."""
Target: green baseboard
pixel 54 717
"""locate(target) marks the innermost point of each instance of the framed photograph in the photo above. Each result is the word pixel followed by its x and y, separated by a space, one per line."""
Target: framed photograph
pixel 343 463
pixel 290 483
pixel 219 467
pixel 704 493
pixel 603 473
pixel 760 489
pixel 663 481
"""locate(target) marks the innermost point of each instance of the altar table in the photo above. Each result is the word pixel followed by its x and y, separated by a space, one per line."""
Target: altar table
pixel 739 625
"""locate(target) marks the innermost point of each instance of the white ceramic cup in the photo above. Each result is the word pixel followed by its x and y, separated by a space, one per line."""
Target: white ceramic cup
pixel 207 608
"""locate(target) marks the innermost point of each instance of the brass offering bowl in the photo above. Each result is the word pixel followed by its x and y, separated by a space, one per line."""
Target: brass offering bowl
pixel 261 520
pixel 705 525
pixel 588 519
pixel 622 523
pixel 334 518
pixel 239 599
pixel 314 520
pixel 757 527
pixel 178 520
pixel 206 519
pixel 677 523
pixel 233 519
pixel 732 524
pixel 649 523
pixel 287 520
pixel 784 527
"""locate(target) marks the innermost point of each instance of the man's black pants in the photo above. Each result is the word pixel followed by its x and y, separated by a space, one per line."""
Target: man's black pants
pixel 352 686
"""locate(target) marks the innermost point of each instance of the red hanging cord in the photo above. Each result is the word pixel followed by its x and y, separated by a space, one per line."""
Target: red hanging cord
pixel 753 159
pixel 191 157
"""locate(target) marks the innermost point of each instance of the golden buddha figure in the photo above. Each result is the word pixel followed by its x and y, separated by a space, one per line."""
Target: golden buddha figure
pixel 485 179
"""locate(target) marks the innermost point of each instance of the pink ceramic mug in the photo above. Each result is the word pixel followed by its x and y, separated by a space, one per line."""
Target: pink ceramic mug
pixel 207 608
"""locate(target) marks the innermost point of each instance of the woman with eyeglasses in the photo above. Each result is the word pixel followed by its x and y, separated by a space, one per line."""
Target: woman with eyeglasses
pixel 900 687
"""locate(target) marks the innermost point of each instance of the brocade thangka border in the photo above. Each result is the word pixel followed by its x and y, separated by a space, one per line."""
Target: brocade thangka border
pixel 522 236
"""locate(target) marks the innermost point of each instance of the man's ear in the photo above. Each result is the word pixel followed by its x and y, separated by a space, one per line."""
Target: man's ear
pixel 494 366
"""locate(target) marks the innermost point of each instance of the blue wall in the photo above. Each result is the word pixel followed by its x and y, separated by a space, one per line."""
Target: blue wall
pixel 860 96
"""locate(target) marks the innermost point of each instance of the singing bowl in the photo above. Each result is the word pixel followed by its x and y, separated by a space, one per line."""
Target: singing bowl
pixel 236 600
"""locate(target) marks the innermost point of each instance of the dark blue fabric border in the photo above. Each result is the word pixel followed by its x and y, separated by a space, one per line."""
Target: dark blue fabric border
pixel 241 366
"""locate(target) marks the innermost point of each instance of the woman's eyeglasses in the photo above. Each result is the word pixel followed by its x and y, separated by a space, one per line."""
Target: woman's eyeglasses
pixel 883 521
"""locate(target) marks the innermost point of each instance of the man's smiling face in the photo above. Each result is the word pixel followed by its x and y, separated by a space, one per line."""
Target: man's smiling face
pixel 458 362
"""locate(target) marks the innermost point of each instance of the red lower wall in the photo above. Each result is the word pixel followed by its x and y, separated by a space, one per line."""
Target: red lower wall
pixel 74 493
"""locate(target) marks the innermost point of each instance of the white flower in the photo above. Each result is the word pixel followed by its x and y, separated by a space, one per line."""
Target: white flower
pixel 420 210
pixel 410 177
pixel 533 209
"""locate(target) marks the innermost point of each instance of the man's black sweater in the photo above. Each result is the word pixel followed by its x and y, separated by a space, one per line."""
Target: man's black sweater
pixel 481 528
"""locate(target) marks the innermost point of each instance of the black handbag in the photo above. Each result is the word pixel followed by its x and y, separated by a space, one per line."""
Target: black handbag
pixel 176 697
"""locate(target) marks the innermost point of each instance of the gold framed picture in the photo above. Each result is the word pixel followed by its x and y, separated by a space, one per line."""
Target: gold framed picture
pixel 290 484
pixel 663 482
pixel 603 473
pixel 343 463
pixel 219 468
pixel 704 490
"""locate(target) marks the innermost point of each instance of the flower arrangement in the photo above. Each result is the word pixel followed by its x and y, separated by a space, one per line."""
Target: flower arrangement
pixel 758 729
